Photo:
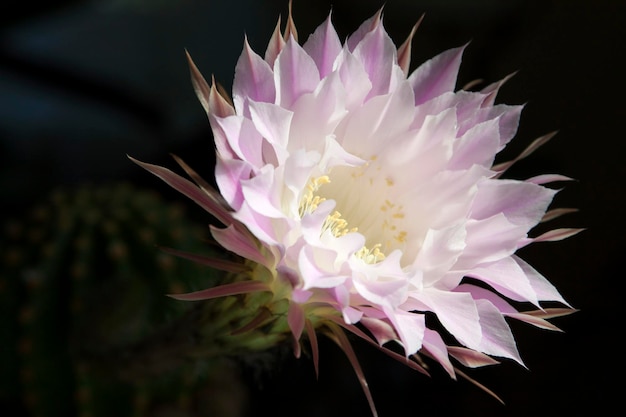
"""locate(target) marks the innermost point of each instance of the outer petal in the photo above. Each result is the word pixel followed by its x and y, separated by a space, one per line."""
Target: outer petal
pixel 296 319
pixel 233 240
pixel 317 114
pixel 241 139
pixel 410 327
pixel 382 331
pixel 253 80
pixel 437 75
pixel 507 277
pixel 478 145
pixel 273 123
pixel 497 339
pixel 490 240
pixel 263 191
pixel 323 46
pixel 354 78
pixel 457 312
pixel 228 175
pixel 275 45
pixel 543 289
pixel 366 27
pixel 521 202
pixel 295 73
pixel 378 54
pixel 435 345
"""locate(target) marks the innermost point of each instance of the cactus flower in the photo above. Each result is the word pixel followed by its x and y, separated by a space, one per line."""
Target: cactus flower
pixel 361 197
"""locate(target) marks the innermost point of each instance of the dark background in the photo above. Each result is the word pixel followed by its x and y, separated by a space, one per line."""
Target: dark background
pixel 83 83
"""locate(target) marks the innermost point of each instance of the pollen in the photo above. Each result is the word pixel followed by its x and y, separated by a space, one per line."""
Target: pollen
pixel 371 256
pixel 310 201
pixel 401 237
pixel 337 225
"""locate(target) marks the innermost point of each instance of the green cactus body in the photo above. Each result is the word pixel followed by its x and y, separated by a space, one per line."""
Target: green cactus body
pixel 81 282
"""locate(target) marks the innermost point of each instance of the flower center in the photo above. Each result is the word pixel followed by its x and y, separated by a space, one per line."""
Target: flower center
pixel 378 200
pixel 335 223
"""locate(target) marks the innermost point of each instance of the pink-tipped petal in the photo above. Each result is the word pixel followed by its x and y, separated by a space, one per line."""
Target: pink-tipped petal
pixel 492 90
pixel 545 290
pixel 272 122
pixel 310 331
pixel 323 46
pixel 188 189
pixel 400 358
pixel 295 73
pixel 275 45
pixel 470 358
pixel 556 213
pixel 200 85
pixel 436 348
pixel 548 178
pixel 497 339
pixel 339 337
pixel 254 79
pixel 366 27
pixel 290 28
pixel 536 144
pixel 557 234
pixel 201 182
pixel 458 313
pixel 535 321
pixel 235 241
pixel 296 321
pixel 404 51
pixel 522 203
pixel 550 313
pixel 219 105
pixel 437 75
pixel 378 54
pixel 508 278
pixel 382 330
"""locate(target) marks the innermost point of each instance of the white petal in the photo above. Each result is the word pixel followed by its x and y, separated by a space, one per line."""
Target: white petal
pixel 295 73
pixel 497 339
pixel 544 289
pixel 508 278
pixel 273 123
pixel 316 114
pixel 457 312
pixel 521 202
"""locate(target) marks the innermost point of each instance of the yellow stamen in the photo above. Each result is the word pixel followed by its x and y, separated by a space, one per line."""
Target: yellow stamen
pixel 338 226
pixel 371 256
pixel 310 201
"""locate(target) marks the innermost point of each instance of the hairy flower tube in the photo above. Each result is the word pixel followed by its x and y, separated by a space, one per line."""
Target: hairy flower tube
pixel 362 197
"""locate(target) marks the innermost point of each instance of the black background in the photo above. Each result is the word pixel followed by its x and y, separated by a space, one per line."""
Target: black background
pixel 80 94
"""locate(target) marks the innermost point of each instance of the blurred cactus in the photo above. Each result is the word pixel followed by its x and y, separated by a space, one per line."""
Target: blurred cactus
pixel 82 284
